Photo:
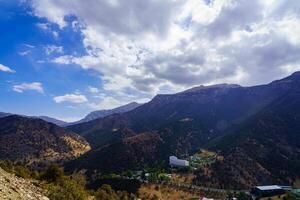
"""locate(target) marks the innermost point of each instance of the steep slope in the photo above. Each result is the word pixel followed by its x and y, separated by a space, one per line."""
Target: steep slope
pixel 12 187
pixel 212 109
pixel 269 140
pixel 104 113
pixel 186 121
pixel 34 141
pixel 129 153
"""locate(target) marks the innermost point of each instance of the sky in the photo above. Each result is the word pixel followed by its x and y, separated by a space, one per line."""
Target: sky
pixel 65 59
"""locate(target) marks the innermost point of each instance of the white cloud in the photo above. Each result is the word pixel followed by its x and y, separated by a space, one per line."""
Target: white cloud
pixel 107 103
pixel 24 53
pixel 6 69
pixel 72 98
pixel 36 86
pixel 49 49
pixel 93 90
pixel 185 43
pixel 46 27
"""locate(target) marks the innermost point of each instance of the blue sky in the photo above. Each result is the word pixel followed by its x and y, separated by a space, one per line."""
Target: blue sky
pixel 65 59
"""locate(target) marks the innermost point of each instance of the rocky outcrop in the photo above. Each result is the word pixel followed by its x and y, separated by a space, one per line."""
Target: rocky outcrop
pixel 14 188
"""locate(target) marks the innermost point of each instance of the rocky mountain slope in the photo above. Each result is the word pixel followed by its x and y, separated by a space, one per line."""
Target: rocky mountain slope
pixel 34 141
pixel 14 188
pixel 269 141
pixel 219 115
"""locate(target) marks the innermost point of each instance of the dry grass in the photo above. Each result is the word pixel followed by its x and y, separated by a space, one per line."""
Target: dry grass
pixel 164 193
pixel 182 178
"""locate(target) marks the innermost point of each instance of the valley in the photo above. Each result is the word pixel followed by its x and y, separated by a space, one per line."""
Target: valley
pixel 232 137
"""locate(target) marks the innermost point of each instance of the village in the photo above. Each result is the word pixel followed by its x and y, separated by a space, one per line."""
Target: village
pixel 178 176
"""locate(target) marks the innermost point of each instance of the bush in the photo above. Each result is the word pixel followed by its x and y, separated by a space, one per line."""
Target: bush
pixel 52 174
pixel 66 189
pixel 22 172
pixel 6 165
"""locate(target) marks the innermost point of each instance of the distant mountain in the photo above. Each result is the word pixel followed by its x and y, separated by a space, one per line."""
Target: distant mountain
pixel 53 120
pixel 45 118
pixel 184 122
pixel 3 114
pixel 34 141
pixel 104 113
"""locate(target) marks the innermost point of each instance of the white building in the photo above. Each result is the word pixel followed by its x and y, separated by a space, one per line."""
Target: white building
pixel 175 162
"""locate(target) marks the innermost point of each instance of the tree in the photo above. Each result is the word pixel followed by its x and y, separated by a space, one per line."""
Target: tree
pixel 52 174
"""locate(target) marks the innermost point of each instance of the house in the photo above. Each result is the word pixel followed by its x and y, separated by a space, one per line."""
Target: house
pixel 266 191
pixel 175 162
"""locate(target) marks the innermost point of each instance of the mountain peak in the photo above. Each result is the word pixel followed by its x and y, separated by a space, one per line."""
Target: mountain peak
pixel 216 86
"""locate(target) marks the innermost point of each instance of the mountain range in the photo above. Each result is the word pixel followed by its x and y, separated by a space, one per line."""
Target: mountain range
pixel 255 129
pixel 91 116
pixel 245 124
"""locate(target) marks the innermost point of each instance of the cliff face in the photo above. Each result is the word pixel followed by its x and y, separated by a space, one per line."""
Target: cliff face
pixel 34 141
pixel 12 187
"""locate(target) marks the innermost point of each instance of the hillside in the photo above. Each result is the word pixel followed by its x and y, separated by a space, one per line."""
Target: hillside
pixel 129 153
pixel 12 187
pixel 34 141
pixel 269 141
pixel 212 109
pixel 221 115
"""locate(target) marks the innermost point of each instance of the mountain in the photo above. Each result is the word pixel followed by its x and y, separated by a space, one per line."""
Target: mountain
pixel 264 149
pixel 53 120
pixel 104 113
pixel 33 141
pixel 45 118
pixel 210 110
pixel 3 114
pixel 218 115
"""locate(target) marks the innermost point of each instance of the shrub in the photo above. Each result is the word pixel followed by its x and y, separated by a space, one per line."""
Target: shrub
pixel 66 189
pixel 52 174
pixel 22 172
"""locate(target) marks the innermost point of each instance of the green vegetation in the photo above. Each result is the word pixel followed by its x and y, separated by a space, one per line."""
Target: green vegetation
pixel 291 196
pixel 18 170
pixel 203 158
pixel 58 186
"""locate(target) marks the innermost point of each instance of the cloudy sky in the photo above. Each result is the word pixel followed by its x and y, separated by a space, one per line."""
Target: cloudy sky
pixel 66 58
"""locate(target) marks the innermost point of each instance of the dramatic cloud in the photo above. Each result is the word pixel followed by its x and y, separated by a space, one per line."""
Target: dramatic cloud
pixel 72 98
pixel 6 69
pixel 140 48
pixel 36 86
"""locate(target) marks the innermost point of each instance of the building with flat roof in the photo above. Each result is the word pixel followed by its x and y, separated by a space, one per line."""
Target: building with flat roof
pixel 266 191
pixel 175 162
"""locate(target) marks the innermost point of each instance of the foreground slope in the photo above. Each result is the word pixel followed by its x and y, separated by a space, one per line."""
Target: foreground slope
pixel 12 187
pixel 34 141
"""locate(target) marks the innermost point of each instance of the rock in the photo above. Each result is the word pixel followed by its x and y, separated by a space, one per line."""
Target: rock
pixel 14 188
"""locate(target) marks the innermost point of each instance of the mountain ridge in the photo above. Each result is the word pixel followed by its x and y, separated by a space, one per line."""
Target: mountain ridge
pixel 36 142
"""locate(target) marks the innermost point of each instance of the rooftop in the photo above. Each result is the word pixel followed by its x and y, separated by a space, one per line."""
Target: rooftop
pixel 269 187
